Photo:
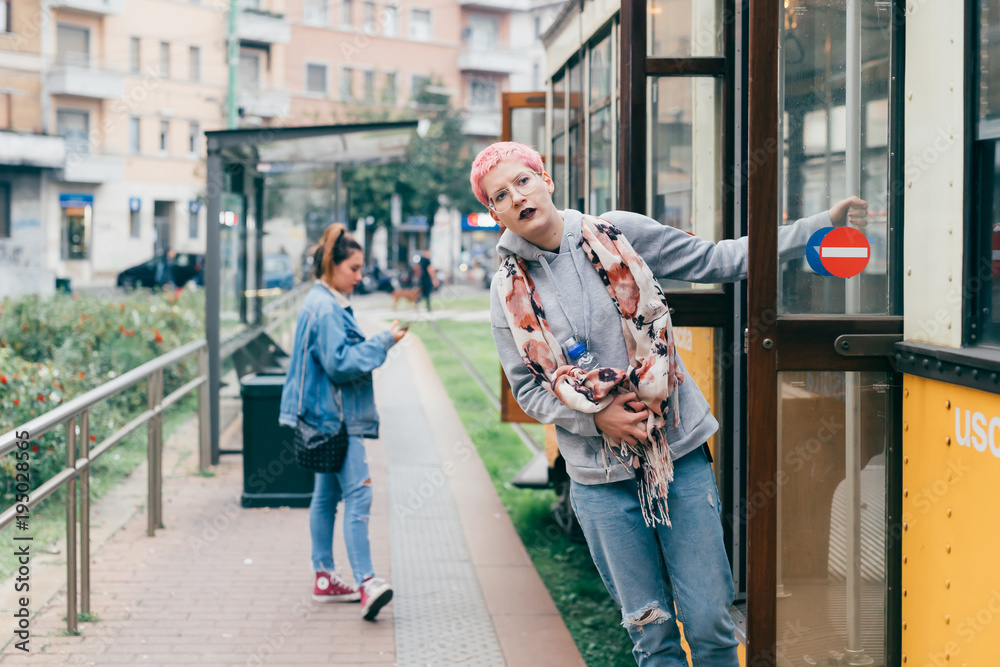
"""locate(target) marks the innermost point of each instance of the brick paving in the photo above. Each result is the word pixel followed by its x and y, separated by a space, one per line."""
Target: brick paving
pixel 223 585
pixel 219 585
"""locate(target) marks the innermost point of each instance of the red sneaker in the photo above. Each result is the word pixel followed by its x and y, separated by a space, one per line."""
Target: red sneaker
pixel 331 588
pixel 375 594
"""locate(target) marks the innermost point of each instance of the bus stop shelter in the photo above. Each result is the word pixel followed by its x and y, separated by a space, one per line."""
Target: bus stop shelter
pixel 239 163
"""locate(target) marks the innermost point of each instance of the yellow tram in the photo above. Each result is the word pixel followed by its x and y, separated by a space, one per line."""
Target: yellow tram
pixel 859 455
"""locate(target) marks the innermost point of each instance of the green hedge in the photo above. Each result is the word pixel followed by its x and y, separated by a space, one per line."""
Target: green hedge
pixel 52 350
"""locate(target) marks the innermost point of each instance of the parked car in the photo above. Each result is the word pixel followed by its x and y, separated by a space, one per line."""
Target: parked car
pixel 278 272
pixel 184 267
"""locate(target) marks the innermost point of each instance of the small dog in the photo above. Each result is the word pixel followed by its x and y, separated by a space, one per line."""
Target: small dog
pixel 412 295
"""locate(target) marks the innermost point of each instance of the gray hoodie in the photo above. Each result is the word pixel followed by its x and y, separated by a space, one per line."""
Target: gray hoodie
pixel 576 301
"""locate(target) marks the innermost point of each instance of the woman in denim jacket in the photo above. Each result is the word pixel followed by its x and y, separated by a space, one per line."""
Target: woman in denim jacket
pixel 329 383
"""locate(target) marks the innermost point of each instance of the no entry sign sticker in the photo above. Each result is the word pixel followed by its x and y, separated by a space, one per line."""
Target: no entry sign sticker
pixel 838 251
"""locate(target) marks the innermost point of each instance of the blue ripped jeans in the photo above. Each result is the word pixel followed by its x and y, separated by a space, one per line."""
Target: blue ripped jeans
pixel 649 570
pixel 352 485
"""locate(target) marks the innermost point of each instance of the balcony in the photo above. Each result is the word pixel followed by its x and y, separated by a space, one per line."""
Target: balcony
pixel 262 27
pixel 32 150
pixel 490 60
pixel 76 74
pixel 264 103
pixel 92 7
pixel 87 168
pixel 482 123
pixel 496 5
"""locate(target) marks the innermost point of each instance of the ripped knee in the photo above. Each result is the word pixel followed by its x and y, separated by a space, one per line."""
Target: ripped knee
pixel 367 482
pixel 651 613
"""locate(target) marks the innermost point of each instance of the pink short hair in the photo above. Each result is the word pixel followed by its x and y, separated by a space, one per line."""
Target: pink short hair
pixel 496 153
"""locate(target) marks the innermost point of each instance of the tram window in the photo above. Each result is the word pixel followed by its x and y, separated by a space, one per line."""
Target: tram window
pixel 685 150
pixel 681 28
pixel 602 127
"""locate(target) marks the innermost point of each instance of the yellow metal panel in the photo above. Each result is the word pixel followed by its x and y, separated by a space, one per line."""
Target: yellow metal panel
pixel 951 485
pixel 697 348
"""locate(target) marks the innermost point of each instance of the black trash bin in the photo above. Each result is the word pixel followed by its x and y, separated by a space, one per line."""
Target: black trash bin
pixel 271 477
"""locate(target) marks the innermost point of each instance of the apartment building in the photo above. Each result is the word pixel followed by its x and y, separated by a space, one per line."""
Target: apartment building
pixel 30 153
pixel 350 55
pixel 102 156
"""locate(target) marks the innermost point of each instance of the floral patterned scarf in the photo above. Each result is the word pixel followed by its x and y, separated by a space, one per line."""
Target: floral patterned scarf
pixel 652 374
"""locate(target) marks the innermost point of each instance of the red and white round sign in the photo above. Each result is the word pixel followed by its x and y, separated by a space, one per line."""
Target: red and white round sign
pixel 844 252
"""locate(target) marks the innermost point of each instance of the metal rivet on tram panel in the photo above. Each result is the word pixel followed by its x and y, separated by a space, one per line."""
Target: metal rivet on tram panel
pixel 906 526
pixel 904 592
pixel 975 373
pixel 906 459
pixel 947 548
pixel 904 657
pixel 904 625
pixel 906 393
pixel 926 363
pixel 909 184
pixel 947 583
pixel 958 369
pixel 909 95
pixel 904 560
pixel 909 271
pixel 951 181
pixel 906 427
pixel 947 405
pixel 947 440
pixel 947 619
pixel 949 276
pixel 949 511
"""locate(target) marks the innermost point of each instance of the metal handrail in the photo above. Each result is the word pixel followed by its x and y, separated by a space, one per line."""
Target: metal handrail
pixel 79 409
pixel 52 418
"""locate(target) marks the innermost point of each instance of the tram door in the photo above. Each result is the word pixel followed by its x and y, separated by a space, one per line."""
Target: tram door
pixel 823 401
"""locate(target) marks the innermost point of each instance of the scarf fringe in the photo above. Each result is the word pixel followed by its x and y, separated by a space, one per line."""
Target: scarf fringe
pixel 654 475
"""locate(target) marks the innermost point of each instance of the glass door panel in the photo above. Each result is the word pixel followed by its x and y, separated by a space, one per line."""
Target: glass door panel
pixel 831 493
pixel 835 78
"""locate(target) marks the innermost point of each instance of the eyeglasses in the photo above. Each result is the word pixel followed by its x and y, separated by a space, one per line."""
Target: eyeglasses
pixel 525 184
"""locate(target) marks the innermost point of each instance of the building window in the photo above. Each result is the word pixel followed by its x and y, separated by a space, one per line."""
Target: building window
pixel 369 87
pixel 420 25
pixel 346 13
pixel 538 27
pixel 483 95
pixel 4 210
pixel 369 25
pixel 165 59
pixel 134 141
pixel 73 45
pixel 389 93
pixel 249 72
pixel 194 137
pixel 346 84
pixel 317 12
pixel 194 63
pixel 135 55
pixel 74 126
pixel 135 223
pixel 484 33
pixel 390 21
pixel 5 20
pixel 316 79
pixel 164 137
pixel 418 82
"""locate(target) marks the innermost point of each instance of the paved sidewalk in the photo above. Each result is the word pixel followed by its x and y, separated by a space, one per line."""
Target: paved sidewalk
pixel 223 585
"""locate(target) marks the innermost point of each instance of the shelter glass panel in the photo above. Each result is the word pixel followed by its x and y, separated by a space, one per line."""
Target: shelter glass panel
pixel 527 126
pixel 685 28
pixel 834 83
pixel 685 153
pixel 831 490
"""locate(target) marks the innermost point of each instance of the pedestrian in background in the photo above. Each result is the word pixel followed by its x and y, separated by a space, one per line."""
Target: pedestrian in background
pixel 329 383
pixel 631 426
pixel 428 278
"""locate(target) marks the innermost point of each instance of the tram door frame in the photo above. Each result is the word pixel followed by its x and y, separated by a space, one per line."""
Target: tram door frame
pixel 721 309
pixel 787 343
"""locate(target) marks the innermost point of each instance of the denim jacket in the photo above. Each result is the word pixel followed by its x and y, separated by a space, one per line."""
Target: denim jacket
pixel 329 378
